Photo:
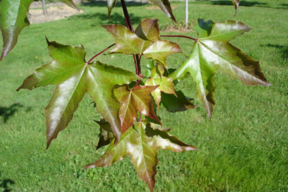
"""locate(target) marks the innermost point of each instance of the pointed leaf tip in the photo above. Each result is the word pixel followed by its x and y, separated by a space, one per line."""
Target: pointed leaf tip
pixel 13 14
pixel 70 3
pixel 165 6
pixel 236 5
pixel 213 51
pixel 74 78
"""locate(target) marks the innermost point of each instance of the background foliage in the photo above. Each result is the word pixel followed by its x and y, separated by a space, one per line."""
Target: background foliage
pixel 243 149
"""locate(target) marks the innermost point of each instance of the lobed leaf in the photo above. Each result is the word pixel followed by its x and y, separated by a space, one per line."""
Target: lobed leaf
pixel 145 41
pixel 160 50
pixel 164 84
pixel 137 99
pixel 141 143
pixel 13 18
pixel 126 41
pixel 212 51
pixel 148 29
pixel 74 77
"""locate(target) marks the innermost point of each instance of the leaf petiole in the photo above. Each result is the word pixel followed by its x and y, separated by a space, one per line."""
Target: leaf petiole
pixel 100 53
pixel 182 36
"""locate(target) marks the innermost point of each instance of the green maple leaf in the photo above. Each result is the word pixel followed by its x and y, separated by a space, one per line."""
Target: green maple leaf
pixel 141 143
pixel 165 84
pixel 137 99
pixel 13 18
pixel 126 41
pixel 212 51
pixel 148 29
pixel 145 41
pixel 74 77
pixel 160 50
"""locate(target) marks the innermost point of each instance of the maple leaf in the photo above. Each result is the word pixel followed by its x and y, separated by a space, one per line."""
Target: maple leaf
pixel 126 41
pixel 165 84
pixel 148 29
pixel 145 41
pixel 141 143
pixel 137 99
pixel 213 51
pixel 13 18
pixel 74 77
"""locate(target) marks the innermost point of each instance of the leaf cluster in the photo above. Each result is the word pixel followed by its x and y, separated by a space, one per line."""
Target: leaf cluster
pixel 126 101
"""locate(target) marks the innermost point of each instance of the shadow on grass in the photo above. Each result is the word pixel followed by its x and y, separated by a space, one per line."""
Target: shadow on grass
pixel 115 18
pixel 5 184
pixel 104 4
pixel 244 3
pixel 7 112
pixel 282 48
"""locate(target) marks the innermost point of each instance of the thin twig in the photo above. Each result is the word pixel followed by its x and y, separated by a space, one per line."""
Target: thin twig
pixel 100 53
pixel 182 36
pixel 129 26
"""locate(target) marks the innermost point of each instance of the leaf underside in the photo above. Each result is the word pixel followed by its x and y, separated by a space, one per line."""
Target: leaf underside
pixel 141 143
pixel 176 104
pixel 212 51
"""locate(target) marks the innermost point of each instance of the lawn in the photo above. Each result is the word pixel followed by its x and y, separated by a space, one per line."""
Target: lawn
pixel 243 148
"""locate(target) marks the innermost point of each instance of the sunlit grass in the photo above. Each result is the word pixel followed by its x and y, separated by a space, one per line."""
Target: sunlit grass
pixel 243 148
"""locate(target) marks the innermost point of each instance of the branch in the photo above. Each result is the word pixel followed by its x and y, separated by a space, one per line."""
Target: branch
pixel 127 17
pixel 182 36
pixel 100 53
pixel 129 26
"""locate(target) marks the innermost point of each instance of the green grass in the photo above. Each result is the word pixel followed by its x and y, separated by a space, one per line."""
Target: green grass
pixel 244 148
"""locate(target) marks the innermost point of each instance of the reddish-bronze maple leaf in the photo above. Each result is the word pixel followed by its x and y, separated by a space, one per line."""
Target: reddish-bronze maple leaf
pixel 137 99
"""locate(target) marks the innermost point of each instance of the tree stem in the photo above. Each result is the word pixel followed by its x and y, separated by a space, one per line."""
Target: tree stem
pixel 182 36
pixel 100 53
pixel 129 26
